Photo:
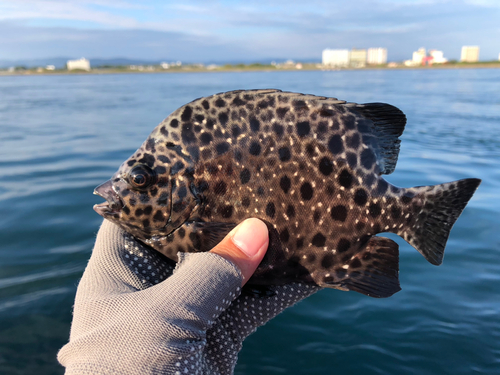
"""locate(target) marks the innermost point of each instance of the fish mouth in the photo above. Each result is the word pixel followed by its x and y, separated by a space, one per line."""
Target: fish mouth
pixel 113 204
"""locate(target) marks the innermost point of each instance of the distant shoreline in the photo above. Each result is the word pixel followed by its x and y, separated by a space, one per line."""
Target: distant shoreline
pixel 249 68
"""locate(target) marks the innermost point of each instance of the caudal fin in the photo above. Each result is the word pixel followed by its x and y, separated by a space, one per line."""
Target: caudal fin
pixel 433 216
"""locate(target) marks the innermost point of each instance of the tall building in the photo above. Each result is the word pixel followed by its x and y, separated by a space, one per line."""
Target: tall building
pixel 335 57
pixel 419 56
pixel 437 57
pixel 377 56
pixel 470 54
pixel 82 64
pixel 357 58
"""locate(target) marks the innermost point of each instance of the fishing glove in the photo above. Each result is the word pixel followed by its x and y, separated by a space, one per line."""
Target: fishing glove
pixel 137 312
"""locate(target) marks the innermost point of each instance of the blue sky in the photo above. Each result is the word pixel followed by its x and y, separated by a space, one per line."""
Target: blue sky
pixel 211 30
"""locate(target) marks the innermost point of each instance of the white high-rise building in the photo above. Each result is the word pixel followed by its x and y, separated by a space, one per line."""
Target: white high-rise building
pixel 82 64
pixel 335 57
pixel 419 56
pixel 377 56
pixel 470 54
pixel 357 58
pixel 437 57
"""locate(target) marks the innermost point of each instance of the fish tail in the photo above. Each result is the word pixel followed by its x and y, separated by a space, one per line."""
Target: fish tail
pixel 430 214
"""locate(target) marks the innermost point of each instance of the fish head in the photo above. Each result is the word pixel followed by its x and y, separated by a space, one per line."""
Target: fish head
pixel 150 195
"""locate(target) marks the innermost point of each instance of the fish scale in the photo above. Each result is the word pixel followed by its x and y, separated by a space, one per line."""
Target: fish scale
pixel 310 167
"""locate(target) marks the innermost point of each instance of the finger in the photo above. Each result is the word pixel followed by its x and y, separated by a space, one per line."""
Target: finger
pixel 245 246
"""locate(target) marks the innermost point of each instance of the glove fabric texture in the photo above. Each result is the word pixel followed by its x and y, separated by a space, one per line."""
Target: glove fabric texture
pixel 138 312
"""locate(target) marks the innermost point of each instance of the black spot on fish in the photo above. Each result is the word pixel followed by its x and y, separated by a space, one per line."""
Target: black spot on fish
pixel 236 131
pixel 205 104
pixel 290 211
pixel 174 123
pixel 374 210
pixel 284 236
pixel 163 159
pixel 278 129
pixel 355 263
pixel 284 154
pixel 407 198
pixel 281 112
pixel 148 159
pixel 360 197
pixel 158 216
pixel 327 261
pixel 382 186
pixel 303 128
pixel 326 112
pixel 343 245
pixel 395 212
pixel 244 176
pixel 367 158
pixel 353 141
pixel 325 166
pixel 339 213
pixel 222 148
pixel 254 124
pixel 345 179
pixel 306 191
pixel 186 114
pixel 255 148
pixel 352 159
pixel 187 133
pixel 206 138
pixel 220 103
pixel 181 232
pixel 319 240
pixel 245 202
pixel 226 211
pixel 177 167
pixel 164 131
pixel 349 122
pixel 285 184
pixel 238 102
pixel 223 118
pixel 270 210
pixel 335 145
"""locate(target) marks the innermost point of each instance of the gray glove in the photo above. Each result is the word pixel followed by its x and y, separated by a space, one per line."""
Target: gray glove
pixel 137 312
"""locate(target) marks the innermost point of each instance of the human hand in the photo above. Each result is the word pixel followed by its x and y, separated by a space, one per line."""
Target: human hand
pixel 137 312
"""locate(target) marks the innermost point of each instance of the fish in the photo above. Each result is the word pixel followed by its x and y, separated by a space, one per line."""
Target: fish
pixel 309 166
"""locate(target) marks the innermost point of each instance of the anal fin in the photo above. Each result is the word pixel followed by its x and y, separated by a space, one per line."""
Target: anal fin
pixel 374 271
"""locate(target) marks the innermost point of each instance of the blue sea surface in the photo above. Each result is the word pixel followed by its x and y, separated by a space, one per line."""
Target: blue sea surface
pixel 60 136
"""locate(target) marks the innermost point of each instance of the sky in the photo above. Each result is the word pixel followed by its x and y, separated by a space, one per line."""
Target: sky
pixel 246 31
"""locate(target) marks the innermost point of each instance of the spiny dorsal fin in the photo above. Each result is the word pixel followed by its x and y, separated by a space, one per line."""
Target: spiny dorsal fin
pixel 386 125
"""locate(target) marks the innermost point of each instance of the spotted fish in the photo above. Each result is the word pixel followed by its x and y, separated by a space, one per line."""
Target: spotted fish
pixel 310 167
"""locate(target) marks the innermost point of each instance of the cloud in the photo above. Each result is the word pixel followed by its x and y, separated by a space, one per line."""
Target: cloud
pixel 198 30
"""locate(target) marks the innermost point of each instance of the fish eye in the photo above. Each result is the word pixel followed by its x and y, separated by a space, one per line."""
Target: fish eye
pixel 141 176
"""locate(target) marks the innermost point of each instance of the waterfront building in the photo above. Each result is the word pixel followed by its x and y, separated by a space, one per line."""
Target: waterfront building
pixel 377 56
pixel 357 58
pixel 418 57
pixel 335 57
pixel 437 57
pixel 470 54
pixel 81 64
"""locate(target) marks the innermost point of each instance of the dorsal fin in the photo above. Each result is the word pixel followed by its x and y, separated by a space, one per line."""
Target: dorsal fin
pixel 387 124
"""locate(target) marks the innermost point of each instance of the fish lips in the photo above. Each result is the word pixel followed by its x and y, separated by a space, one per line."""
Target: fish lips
pixel 113 204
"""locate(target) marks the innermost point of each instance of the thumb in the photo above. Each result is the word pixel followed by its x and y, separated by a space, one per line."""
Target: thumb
pixel 245 246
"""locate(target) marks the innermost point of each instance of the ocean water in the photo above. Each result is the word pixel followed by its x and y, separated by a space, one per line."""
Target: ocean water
pixel 60 136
